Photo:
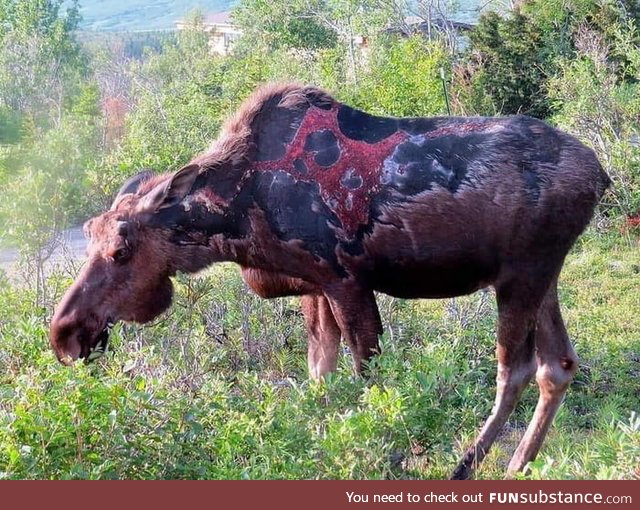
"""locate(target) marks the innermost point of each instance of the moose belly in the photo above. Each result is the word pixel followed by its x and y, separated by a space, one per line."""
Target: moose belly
pixel 432 280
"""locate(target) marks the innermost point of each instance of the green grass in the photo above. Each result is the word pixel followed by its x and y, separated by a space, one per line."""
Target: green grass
pixel 218 388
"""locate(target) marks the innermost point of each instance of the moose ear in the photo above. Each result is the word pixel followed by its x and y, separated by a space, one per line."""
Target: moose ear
pixel 131 185
pixel 171 191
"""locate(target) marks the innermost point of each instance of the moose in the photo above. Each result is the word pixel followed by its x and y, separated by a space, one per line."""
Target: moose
pixel 314 198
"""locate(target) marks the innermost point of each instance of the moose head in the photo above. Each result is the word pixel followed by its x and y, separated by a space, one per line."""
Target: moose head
pixel 129 264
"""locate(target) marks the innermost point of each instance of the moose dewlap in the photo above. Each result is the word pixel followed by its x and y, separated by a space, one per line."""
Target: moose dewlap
pixel 314 198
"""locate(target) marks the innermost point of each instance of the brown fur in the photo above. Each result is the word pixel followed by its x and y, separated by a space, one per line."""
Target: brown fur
pixel 501 227
pixel 234 145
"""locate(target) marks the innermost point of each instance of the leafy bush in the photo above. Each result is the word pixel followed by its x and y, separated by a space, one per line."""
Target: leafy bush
pixel 595 103
pixel 510 58
pixel 506 69
pixel 402 78
pixel 218 388
pixel 283 24
pixel 40 60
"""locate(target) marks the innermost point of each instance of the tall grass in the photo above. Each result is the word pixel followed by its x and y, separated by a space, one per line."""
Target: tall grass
pixel 217 388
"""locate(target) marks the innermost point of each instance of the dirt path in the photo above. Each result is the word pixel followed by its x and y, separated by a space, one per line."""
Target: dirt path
pixel 70 248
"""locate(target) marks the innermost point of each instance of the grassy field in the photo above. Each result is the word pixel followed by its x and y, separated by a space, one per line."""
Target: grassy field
pixel 218 388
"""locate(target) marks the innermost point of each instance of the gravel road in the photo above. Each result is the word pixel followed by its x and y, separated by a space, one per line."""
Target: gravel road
pixel 71 248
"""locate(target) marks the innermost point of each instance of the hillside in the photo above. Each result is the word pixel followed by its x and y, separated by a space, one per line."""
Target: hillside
pixel 139 15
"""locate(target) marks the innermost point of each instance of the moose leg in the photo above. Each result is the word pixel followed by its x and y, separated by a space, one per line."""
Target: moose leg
pixel 324 335
pixel 516 366
pixel 557 364
pixel 356 313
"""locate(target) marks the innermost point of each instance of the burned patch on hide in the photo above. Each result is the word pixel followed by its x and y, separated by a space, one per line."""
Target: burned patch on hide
pixel 344 170
pixel 424 161
pixel 295 211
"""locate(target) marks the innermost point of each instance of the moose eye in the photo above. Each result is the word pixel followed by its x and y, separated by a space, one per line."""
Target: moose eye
pixel 121 255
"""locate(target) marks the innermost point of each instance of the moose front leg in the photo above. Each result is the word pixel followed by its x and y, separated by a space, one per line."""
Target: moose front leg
pixel 356 313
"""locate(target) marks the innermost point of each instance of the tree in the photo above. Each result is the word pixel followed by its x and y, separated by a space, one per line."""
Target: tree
pixel 49 121
pixel 315 24
pixel 511 68
pixel 402 78
pixel 40 60
pixel 600 105
pixel 175 108
pixel 511 58
pixel 283 24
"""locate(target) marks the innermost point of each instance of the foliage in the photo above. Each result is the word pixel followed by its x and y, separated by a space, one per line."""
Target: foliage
pixel 218 388
pixel 182 96
pixel 39 58
pixel 594 102
pixel 45 190
pixel 49 120
pixel 402 78
pixel 46 186
pixel 10 126
pixel 511 58
pixel 311 25
pixel 284 24
pixel 176 113
pixel 510 66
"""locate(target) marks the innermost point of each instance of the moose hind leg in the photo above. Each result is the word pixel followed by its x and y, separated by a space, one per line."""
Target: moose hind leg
pixel 357 315
pixel 516 366
pixel 324 335
pixel 557 363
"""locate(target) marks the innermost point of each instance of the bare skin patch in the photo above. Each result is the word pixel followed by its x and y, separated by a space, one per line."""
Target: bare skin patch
pixel 346 184
pixel 208 199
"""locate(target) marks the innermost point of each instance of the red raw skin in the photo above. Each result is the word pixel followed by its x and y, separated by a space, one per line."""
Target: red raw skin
pixel 363 159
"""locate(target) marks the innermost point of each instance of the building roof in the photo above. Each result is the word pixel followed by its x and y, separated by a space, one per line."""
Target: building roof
pixel 218 18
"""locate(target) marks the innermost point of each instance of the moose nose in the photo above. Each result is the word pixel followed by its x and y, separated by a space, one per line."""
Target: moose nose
pixel 64 338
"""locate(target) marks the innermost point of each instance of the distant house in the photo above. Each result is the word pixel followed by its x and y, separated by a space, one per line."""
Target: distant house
pixel 223 32
pixel 429 26
pixel 221 29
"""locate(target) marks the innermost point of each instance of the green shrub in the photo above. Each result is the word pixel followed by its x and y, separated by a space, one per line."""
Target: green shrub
pixel 595 103
pixel 511 58
pixel 217 388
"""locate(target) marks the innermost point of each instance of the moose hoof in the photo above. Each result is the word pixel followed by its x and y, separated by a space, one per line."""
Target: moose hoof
pixel 461 472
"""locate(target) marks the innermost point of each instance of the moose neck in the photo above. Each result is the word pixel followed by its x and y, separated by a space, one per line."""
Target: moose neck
pixel 190 256
pixel 205 228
